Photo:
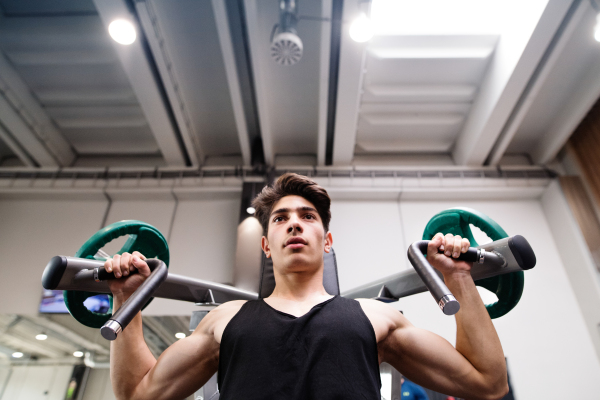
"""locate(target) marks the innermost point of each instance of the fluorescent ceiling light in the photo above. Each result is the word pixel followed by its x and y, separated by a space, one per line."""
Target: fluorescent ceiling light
pixel 361 30
pixel 122 31
pixel 180 335
pixel 41 336
pixel 597 29
pixel 78 354
pixel 17 354
pixel 451 17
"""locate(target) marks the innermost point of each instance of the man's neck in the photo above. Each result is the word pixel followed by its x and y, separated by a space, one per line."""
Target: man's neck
pixel 299 286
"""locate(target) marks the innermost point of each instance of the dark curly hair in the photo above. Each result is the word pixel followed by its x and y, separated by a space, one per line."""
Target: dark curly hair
pixel 291 184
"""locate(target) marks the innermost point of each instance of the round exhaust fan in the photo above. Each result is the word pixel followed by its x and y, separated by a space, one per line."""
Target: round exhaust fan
pixel 286 48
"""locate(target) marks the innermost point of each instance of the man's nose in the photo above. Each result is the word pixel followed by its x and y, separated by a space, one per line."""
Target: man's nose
pixel 294 226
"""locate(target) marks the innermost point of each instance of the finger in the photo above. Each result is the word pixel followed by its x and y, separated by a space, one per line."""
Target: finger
pixel 457 246
pixel 434 244
pixel 116 264
pixel 465 244
pixel 449 244
pixel 125 261
pixel 108 265
pixel 441 235
pixel 141 266
pixel 140 255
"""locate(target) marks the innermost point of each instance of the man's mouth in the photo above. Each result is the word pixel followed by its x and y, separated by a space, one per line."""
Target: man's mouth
pixel 295 243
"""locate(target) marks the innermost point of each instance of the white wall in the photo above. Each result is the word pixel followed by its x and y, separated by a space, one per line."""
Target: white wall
pixel 203 231
pixel 98 386
pixel 579 265
pixel 32 232
pixel 544 338
pixel 38 382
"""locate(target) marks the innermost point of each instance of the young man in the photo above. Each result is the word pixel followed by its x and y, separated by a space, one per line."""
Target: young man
pixel 301 342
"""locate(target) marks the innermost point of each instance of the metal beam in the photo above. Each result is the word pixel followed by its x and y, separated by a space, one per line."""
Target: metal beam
pixel 503 85
pixel 23 116
pixel 235 92
pixel 326 12
pixel 167 72
pixel 570 117
pixel 266 130
pixel 141 76
pixel 16 148
pixel 540 76
pixel 350 78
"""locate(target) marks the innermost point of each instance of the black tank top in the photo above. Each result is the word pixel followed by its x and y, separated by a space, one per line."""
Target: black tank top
pixel 328 353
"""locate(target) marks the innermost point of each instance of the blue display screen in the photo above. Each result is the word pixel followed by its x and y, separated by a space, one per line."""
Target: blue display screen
pixel 53 302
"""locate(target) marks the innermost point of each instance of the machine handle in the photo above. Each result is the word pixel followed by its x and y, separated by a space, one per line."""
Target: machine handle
pixel 438 289
pixel 70 272
pixel 128 310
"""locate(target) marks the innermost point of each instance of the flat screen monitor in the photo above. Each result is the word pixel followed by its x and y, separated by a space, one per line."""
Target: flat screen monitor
pixel 53 302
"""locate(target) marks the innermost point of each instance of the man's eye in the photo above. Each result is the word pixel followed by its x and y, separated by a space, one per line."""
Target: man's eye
pixel 277 219
pixel 310 216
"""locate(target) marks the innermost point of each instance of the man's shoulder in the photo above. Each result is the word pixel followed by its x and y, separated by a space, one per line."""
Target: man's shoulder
pixel 216 320
pixel 227 310
pixel 382 316
pixel 377 306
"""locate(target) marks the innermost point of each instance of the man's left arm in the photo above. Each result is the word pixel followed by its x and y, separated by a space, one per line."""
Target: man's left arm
pixel 476 336
pixel 475 368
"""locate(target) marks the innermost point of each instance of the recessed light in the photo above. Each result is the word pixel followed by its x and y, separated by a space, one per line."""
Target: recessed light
pixel 180 335
pixel 361 30
pixel 250 210
pixel 122 31
pixel 17 354
pixel 78 354
pixel 41 336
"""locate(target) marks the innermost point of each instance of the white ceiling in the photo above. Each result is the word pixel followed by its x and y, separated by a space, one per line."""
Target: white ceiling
pixel 441 83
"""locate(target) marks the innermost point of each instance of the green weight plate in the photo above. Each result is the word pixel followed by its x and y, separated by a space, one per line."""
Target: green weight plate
pixel 509 287
pixel 143 237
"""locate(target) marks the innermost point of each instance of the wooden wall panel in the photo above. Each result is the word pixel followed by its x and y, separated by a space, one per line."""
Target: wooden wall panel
pixel 583 210
pixel 585 144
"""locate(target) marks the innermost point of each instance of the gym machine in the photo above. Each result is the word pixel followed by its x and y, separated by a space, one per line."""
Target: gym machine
pixel 497 266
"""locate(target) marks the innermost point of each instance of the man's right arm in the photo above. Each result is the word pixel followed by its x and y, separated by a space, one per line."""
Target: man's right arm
pixel 183 368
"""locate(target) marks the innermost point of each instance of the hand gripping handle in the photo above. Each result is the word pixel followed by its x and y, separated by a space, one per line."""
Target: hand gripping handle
pixel 438 289
pixel 136 301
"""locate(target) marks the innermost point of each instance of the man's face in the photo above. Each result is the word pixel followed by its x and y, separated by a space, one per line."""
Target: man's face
pixel 295 239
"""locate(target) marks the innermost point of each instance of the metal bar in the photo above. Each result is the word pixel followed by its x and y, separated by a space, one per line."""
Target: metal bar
pixel 498 260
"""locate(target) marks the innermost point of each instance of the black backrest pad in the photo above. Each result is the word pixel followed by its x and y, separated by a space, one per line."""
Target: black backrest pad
pixel 330 275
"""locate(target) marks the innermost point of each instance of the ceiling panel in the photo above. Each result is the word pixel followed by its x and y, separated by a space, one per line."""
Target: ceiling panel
pixel 578 62
pixel 288 96
pixel 190 36
pixel 418 90
pixel 413 89
pixel 70 66
pixel 45 7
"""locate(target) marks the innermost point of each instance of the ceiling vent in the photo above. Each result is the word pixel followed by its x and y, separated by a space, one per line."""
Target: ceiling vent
pixel 286 46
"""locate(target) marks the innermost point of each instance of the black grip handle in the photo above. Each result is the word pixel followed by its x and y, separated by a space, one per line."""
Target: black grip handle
pixel 471 255
pixel 104 275
pixel 128 310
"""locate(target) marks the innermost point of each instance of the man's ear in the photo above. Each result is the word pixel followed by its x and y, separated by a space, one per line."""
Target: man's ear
pixel 328 242
pixel 264 243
